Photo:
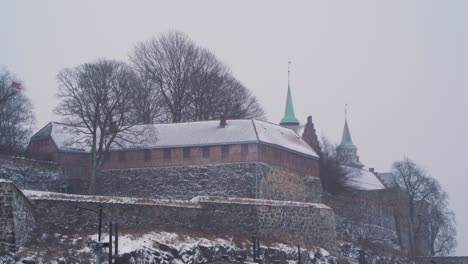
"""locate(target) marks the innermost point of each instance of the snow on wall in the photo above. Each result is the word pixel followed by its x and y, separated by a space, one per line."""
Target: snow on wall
pixel 270 220
pixel 32 174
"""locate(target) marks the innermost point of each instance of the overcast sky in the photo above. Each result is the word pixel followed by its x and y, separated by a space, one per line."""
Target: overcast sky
pixel 401 66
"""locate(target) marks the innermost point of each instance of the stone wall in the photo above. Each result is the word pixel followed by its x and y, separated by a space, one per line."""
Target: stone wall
pixel 228 180
pixel 33 174
pixel 441 260
pixel 292 222
pixel 16 217
pixel 362 216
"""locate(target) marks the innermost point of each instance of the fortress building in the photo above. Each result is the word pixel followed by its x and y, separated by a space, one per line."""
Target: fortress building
pixel 257 159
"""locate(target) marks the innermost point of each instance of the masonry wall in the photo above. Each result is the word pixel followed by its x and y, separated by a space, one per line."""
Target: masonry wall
pixel 16 217
pixel 248 180
pixel 377 216
pixel 287 222
pixel 33 174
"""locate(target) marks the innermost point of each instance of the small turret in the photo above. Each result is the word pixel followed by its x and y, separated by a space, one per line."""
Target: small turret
pixel 347 151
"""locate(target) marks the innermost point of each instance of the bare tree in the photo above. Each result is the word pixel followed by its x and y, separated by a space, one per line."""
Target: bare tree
pixel 334 177
pixel 96 99
pixel 169 62
pixel 193 83
pixel 148 102
pixel 16 116
pixel 441 226
pixel 428 205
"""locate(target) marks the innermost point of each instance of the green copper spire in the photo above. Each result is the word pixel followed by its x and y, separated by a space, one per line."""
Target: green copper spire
pixel 289 116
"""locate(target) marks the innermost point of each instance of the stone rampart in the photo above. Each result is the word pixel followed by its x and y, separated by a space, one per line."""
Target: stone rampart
pixel 292 222
pixel 33 174
pixel 369 215
pixel 248 180
pixel 441 260
pixel 16 217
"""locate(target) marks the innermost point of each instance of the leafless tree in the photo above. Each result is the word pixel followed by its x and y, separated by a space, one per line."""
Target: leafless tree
pixel 428 205
pixel 169 62
pixel 193 83
pixel 335 179
pixel 16 116
pixel 441 225
pixel 96 99
pixel 147 101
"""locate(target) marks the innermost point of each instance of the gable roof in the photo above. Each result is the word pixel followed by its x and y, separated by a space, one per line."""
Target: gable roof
pixel 200 133
pixel 363 179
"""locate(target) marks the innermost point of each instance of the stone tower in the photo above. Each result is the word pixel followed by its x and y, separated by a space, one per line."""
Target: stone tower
pixel 289 119
pixel 347 151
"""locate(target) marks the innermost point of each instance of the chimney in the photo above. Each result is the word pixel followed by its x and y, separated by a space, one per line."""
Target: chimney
pixel 222 121
pixel 372 170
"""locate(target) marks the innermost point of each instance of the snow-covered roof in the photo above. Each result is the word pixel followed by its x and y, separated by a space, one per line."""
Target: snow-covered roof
pixel 201 133
pixel 363 179
pixel 388 179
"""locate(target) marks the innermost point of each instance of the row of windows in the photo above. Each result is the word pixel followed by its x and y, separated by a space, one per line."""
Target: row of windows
pixel 279 156
pixel 186 153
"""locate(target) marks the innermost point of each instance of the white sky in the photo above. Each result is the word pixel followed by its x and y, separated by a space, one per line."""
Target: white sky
pixel 401 66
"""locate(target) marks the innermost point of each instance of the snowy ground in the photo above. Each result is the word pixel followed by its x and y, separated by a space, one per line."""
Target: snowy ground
pixel 179 248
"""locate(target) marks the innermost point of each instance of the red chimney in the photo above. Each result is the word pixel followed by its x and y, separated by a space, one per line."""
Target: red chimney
pixel 222 121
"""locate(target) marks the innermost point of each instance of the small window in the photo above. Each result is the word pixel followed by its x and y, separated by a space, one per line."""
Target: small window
pixel 186 153
pixel 206 152
pixel 244 149
pixel 107 156
pixel 147 155
pixel 167 154
pixel 122 156
pixel 225 151
pixel 264 150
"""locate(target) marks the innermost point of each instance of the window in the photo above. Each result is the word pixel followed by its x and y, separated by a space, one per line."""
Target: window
pixel 224 151
pixel 147 154
pixel 186 153
pixel 107 157
pixel 167 154
pixel 122 156
pixel 244 149
pixel 206 152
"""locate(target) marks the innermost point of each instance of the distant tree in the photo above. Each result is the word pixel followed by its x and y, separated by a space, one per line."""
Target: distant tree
pixel 334 177
pixel 96 99
pixel 147 101
pixel 441 225
pixel 428 205
pixel 16 116
pixel 193 83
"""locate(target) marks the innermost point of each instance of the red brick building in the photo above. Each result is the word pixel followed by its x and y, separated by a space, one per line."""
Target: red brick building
pixel 192 143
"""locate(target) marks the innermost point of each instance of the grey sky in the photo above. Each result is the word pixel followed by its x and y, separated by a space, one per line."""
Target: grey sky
pixel 400 65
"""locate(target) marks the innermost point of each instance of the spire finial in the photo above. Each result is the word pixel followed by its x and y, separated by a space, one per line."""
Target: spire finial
pixel 346 112
pixel 289 71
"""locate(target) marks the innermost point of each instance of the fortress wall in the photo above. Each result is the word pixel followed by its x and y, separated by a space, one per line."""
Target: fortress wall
pixel 288 222
pixel 16 217
pixel 359 216
pixel 228 180
pixel 381 215
pixel 32 174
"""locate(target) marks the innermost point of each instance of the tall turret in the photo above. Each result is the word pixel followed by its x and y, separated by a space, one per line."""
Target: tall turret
pixel 289 119
pixel 347 151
